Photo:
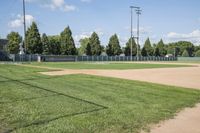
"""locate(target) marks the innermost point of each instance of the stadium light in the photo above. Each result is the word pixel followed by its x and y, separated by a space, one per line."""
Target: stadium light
pixel 24 13
pixel 138 11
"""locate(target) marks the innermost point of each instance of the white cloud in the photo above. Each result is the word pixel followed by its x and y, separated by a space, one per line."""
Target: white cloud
pixel 68 8
pixel 54 5
pixel 18 22
pixel 86 34
pixel 60 5
pixel 143 30
pixel 194 36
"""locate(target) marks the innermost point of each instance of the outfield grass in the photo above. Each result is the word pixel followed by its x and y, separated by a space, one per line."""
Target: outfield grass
pixel 33 103
pixel 105 65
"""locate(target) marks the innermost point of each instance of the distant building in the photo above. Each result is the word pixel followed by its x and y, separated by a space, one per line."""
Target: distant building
pixel 3 44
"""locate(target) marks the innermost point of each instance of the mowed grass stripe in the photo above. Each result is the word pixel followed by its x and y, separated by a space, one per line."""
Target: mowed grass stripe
pixel 31 109
pixel 132 105
pixel 104 65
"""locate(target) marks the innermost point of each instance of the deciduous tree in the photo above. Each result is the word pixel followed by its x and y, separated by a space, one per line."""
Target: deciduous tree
pixel 14 39
pixel 84 44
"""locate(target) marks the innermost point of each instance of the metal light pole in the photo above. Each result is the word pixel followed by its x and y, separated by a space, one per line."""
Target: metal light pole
pixel 138 12
pixel 131 32
pixel 24 13
pixel 132 37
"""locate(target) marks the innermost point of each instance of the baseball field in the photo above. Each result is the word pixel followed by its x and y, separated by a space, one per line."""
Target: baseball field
pixel 94 97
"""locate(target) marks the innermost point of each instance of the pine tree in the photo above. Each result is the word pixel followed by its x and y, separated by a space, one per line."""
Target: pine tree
pixel 147 49
pixel 113 47
pixel 144 52
pixel 161 48
pixel 156 52
pixel 67 42
pixel 33 40
pixel 54 45
pixel 127 51
pixel 95 44
pixel 88 50
pixel 45 44
pixel 185 54
pixel 14 39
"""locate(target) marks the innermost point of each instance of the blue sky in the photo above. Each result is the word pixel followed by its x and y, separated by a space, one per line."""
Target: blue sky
pixel 172 20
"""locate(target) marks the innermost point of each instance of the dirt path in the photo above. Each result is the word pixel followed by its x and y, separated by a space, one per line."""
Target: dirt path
pixel 188 120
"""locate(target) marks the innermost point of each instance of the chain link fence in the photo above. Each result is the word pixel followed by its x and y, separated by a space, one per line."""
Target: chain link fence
pixel 63 58
pixel 123 58
pixel 193 59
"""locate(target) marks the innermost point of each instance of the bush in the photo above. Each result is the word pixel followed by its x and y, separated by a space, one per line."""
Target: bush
pixel 197 54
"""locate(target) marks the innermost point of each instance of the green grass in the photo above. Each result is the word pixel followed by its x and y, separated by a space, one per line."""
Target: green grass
pixel 105 65
pixel 33 103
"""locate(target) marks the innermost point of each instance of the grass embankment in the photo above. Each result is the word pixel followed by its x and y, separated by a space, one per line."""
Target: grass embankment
pixel 30 102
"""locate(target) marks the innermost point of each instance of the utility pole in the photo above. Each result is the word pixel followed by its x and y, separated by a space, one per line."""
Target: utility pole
pixel 138 12
pixel 24 17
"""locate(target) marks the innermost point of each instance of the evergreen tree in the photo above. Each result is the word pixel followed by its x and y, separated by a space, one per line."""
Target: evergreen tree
pixel 185 54
pixel 33 40
pixel 67 42
pixel 113 47
pixel 95 44
pixel 156 51
pixel 144 52
pixel 45 44
pixel 127 50
pixel 88 50
pixel 147 49
pixel 161 49
pixel 14 39
pixel 54 45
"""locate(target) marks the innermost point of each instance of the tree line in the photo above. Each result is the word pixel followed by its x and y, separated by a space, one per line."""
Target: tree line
pixel 64 44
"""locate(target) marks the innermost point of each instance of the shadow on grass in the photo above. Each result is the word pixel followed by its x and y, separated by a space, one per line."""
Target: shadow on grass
pixel 101 107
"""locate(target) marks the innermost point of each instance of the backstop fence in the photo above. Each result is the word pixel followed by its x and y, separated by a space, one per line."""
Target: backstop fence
pixel 63 58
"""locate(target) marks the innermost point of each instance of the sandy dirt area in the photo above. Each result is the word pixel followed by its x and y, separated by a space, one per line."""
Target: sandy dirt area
pixel 188 120
pixel 183 76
